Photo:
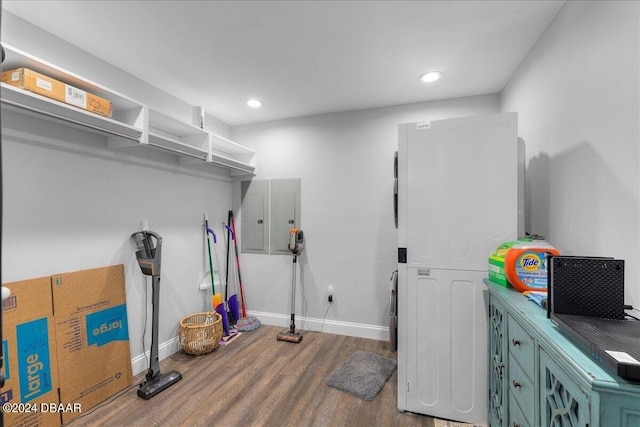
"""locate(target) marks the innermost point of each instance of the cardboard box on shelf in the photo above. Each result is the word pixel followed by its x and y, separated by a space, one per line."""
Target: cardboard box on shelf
pixel 94 359
pixel 35 82
pixel 29 350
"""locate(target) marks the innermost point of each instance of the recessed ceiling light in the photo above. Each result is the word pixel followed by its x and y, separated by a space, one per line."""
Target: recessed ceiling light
pixel 254 103
pixel 430 77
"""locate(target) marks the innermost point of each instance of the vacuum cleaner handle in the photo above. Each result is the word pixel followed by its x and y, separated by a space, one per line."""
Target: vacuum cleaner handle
pixel 296 238
pixel 148 250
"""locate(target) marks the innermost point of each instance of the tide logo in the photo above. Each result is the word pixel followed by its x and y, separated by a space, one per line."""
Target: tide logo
pixel 530 262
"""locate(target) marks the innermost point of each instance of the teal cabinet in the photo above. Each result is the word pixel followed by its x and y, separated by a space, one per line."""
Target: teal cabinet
pixel 539 377
pixel 563 402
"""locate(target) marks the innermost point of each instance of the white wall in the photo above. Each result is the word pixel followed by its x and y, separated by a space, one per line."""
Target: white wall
pixel 577 95
pixel 345 163
pixel 70 203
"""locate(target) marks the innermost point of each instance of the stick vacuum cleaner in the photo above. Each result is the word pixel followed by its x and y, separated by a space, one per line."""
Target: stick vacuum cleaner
pixel 148 247
pixel 296 238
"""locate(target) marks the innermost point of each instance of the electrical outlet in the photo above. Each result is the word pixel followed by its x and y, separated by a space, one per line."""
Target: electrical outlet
pixel 330 294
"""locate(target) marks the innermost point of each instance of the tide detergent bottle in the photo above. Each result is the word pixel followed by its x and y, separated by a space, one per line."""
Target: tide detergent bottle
pixel 525 264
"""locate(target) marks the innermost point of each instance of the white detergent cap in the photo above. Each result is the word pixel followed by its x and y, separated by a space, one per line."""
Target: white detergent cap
pixel 537 244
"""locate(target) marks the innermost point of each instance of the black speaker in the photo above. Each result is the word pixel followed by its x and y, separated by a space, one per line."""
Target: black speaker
pixel 586 286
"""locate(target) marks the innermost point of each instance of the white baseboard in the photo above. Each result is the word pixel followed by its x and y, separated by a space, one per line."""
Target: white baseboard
pixel 360 330
pixel 141 363
pixel 380 333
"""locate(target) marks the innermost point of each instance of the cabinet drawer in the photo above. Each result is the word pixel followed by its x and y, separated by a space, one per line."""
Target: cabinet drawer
pixel 516 416
pixel 521 389
pixel 521 346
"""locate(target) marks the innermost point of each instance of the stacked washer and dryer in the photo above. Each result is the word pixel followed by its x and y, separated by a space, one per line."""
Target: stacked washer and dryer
pixel 459 194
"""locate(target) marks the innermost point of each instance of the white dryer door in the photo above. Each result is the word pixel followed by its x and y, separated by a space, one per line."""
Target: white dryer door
pixel 446 344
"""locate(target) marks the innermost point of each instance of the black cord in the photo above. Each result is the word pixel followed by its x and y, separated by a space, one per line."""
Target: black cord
pixel 106 402
pixel 325 317
pixel 630 307
pixel 144 327
pixel 304 306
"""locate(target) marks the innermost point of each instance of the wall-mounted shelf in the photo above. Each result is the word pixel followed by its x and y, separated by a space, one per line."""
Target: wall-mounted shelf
pixel 230 154
pixel 40 106
pixel 125 122
pixel 190 143
pixel 132 124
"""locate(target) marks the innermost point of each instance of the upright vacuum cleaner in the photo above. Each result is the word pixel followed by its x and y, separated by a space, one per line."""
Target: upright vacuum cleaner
pixel 148 247
pixel 296 238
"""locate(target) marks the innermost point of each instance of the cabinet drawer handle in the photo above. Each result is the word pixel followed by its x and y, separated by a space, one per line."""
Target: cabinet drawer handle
pixel 516 384
pixel 515 342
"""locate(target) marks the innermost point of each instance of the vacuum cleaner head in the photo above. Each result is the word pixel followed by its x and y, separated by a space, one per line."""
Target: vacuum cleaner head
pixel 289 336
pixel 154 386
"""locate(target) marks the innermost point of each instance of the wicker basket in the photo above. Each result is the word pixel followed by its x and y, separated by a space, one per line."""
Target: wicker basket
pixel 200 333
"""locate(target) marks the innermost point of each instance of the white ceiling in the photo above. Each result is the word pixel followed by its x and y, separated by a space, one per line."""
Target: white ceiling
pixel 301 57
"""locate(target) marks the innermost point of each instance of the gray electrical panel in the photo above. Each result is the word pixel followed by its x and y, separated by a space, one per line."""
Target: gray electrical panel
pixel 270 209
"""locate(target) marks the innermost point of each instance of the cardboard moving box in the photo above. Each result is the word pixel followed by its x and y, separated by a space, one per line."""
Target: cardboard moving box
pixel 35 82
pixel 66 344
pixel 30 364
pixel 92 336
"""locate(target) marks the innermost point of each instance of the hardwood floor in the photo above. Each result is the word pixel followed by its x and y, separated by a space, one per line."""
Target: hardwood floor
pixel 259 381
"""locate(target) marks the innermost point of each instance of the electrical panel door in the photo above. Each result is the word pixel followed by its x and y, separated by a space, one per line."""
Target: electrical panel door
pixel 283 217
pixel 285 212
pixel 255 216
